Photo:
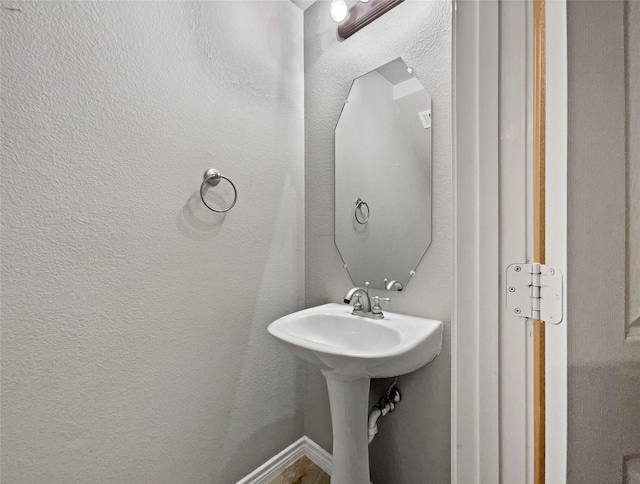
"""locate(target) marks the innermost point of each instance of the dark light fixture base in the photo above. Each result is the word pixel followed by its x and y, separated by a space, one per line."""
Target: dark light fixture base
pixel 362 14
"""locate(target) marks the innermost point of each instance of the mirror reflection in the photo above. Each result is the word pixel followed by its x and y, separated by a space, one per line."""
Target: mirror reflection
pixel 383 177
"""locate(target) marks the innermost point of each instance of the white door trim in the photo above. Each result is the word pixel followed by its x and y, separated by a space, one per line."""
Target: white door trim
pixel 556 237
pixel 474 366
pixel 478 424
pixel 516 243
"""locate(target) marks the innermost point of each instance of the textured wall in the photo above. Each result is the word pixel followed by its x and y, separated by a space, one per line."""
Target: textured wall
pixel 413 445
pixel 604 362
pixel 134 344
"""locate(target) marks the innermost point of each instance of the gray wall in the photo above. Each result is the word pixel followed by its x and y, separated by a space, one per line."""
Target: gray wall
pixel 134 345
pixel 413 445
pixel 604 258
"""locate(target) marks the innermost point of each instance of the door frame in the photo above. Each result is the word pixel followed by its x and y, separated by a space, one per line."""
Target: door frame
pixel 480 420
pixel 475 308
pixel 556 244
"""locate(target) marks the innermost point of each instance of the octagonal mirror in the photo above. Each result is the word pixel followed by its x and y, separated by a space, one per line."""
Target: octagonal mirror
pixel 383 176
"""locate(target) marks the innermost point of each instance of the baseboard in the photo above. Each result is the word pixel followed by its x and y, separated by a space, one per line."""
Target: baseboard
pixel 274 466
pixel 278 463
pixel 317 455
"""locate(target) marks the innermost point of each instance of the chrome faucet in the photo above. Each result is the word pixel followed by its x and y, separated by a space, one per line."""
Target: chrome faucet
pixel 390 285
pixel 362 303
pixel 360 298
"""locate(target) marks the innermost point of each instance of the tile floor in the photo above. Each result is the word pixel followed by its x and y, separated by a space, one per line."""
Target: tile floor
pixel 302 471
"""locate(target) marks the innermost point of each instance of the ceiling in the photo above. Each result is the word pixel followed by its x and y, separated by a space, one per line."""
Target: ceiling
pixel 395 71
pixel 303 4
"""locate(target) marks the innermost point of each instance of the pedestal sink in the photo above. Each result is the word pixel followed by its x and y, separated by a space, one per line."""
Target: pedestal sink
pixel 350 350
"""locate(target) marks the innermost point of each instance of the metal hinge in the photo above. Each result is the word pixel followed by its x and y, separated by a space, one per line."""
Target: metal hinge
pixel 535 291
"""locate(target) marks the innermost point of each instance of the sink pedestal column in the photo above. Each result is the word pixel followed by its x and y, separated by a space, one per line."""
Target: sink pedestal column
pixel 349 401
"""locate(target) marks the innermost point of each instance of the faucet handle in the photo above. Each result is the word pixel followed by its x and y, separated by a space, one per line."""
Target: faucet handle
pixel 376 310
pixel 357 305
pixel 377 300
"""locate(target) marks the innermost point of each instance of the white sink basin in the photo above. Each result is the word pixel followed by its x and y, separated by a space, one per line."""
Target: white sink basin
pixel 352 347
pixel 350 350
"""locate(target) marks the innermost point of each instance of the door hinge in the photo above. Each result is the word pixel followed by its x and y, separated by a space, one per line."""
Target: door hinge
pixel 535 291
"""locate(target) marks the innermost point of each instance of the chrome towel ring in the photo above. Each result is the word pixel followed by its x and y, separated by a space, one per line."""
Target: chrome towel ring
pixel 359 203
pixel 212 177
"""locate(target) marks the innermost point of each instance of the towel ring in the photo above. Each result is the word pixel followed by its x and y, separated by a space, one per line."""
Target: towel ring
pixel 212 177
pixel 359 203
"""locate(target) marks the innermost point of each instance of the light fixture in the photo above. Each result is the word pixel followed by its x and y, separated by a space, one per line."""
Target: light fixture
pixel 360 15
pixel 338 10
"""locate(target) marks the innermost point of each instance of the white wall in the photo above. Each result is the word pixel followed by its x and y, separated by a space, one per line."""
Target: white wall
pixel 413 445
pixel 134 344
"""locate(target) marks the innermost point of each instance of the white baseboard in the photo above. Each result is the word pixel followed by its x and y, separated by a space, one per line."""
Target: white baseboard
pixel 274 466
pixel 317 455
pixel 278 463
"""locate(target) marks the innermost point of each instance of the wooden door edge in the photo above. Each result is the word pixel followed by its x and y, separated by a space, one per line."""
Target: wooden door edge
pixel 539 112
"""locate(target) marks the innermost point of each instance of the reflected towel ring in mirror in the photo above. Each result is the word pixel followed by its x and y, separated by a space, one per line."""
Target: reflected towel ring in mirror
pixel 359 203
pixel 388 164
pixel 212 177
